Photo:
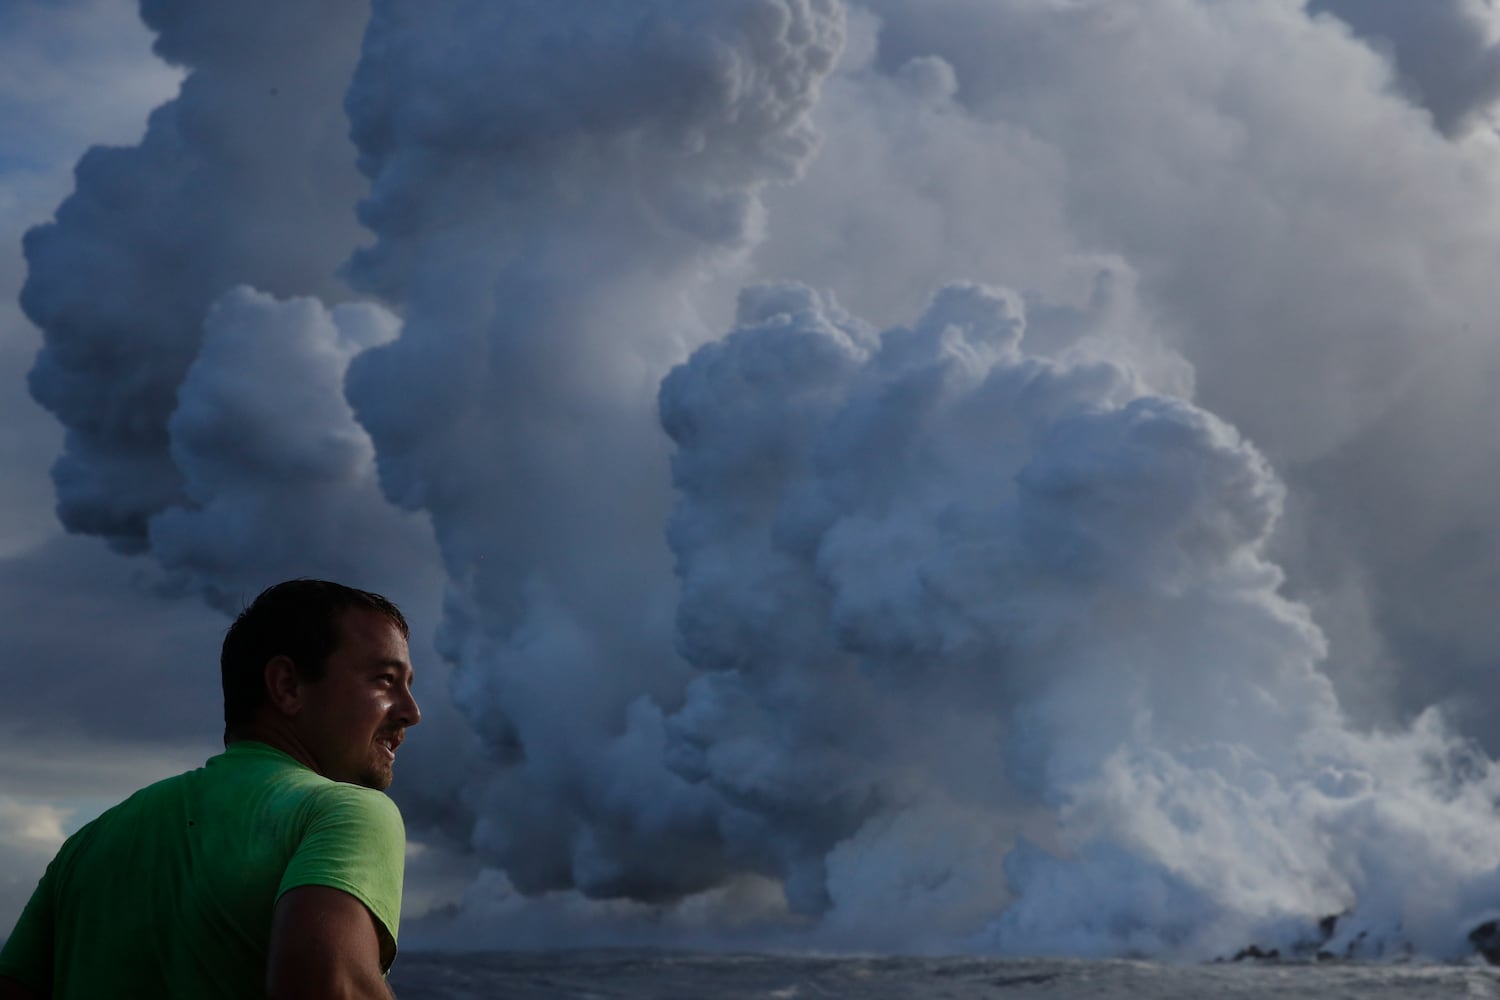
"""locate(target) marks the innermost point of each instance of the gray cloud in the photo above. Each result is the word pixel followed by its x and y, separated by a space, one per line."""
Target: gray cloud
pixel 277 475
pixel 1445 54
pixel 204 418
pixel 100 654
pixel 544 243
pixel 204 415
pixel 71 74
pixel 244 178
pixel 1087 575
pixel 1217 164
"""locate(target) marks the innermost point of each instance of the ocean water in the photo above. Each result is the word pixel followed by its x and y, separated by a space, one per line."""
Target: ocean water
pixel 652 975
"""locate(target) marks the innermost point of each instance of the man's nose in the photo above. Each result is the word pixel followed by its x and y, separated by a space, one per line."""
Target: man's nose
pixel 407 711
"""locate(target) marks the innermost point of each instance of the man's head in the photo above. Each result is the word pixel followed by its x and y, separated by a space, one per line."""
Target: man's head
pixel 324 672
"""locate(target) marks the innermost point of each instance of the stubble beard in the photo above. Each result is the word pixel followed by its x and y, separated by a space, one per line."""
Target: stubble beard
pixel 379 774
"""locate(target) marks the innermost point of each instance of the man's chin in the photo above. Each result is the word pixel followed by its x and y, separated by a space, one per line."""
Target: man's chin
pixel 378 777
pixel 375 775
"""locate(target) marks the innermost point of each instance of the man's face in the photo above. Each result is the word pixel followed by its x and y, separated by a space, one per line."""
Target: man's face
pixel 356 714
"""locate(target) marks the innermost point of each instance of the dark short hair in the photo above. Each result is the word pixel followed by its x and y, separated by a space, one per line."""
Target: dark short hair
pixel 298 619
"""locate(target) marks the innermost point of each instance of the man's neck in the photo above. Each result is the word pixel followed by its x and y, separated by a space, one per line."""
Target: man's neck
pixel 274 734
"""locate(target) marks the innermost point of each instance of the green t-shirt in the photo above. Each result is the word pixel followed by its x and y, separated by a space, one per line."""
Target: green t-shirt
pixel 171 892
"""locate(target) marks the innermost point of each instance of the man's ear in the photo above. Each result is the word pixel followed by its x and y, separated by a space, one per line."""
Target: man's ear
pixel 283 685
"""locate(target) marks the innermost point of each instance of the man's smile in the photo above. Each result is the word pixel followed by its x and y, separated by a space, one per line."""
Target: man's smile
pixel 389 742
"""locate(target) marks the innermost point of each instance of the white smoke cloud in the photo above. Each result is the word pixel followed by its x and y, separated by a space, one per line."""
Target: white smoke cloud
pixel 275 471
pixel 204 420
pixel 927 571
pixel 1061 584
pixel 545 238
pixel 1217 163
pixel 1222 153
pixel 1447 54
pixel 70 75
pixel 244 178
pixel 1000 630
pixel 1393 835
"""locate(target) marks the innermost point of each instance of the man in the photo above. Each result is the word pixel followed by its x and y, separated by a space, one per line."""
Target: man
pixel 273 870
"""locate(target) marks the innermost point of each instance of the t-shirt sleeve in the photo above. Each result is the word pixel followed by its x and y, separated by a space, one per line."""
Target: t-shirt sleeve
pixel 27 955
pixel 354 841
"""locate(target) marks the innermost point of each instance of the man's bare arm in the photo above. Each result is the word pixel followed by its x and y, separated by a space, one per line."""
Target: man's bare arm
pixel 326 944
pixel 12 990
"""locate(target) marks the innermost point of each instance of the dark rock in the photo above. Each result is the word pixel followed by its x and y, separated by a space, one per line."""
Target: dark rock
pixel 1486 940
pixel 1307 948
pixel 1313 948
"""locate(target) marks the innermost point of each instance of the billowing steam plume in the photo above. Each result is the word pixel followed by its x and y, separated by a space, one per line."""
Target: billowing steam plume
pixel 1447 53
pixel 199 417
pixel 1103 616
pixel 543 236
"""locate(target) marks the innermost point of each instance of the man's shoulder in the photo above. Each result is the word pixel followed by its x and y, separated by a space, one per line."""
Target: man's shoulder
pixel 146 798
pixel 246 766
pixel 284 787
pixel 356 803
